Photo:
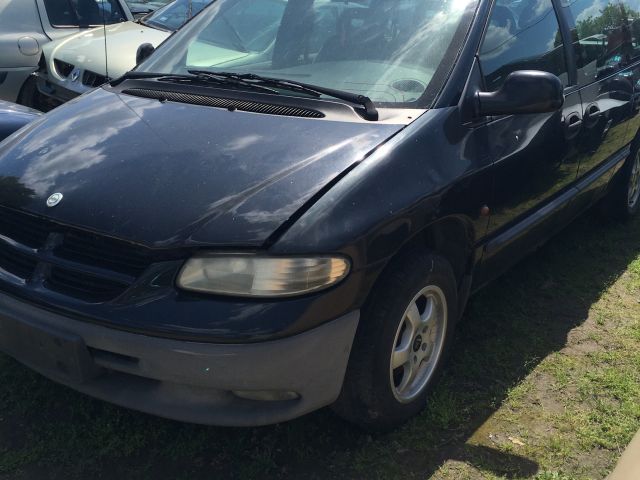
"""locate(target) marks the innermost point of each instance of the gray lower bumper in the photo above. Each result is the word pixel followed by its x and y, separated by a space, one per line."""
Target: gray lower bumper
pixel 186 381
pixel 56 93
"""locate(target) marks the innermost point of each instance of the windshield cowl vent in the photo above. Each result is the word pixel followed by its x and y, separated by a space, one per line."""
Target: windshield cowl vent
pixel 226 103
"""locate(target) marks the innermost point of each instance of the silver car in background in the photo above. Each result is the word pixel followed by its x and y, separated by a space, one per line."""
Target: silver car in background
pixel 81 62
pixel 26 25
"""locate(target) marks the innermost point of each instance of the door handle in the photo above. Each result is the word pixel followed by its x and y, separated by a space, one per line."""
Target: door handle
pixel 572 125
pixel 592 114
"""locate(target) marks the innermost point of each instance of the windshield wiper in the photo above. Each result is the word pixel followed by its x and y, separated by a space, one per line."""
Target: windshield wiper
pixel 230 79
pixel 370 113
pixel 204 77
pixel 259 83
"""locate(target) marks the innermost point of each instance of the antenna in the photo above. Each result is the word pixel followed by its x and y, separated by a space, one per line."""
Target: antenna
pixel 104 32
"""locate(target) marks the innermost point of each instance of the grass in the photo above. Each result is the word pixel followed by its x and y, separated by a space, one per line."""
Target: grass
pixel 544 384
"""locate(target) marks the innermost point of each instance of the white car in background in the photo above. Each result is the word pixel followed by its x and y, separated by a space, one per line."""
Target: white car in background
pixel 81 62
pixel 27 25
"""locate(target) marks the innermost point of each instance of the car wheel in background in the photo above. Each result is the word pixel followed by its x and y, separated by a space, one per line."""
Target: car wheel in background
pixel 623 201
pixel 29 94
pixel 404 334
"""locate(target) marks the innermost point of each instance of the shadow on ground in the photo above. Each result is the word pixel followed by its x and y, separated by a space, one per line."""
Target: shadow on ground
pixel 47 431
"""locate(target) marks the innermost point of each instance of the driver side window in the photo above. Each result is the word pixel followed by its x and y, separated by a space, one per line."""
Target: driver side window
pixel 82 13
pixel 522 35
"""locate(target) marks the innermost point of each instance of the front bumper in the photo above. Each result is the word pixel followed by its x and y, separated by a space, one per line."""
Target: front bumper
pixel 54 94
pixel 181 380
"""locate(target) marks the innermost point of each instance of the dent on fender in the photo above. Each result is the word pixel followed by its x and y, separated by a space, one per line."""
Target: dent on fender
pixel 409 165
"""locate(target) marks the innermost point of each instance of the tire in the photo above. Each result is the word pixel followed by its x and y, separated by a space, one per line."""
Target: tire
pixel 623 201
pixel 29 95
pixel 374 395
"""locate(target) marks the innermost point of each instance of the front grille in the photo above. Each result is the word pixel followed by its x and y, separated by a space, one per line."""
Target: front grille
pixel 93 79
pixel 79 264
pixel 227 103
pixel 85 287
pixel 102 252
pixel 16 263
pixel 64 69
pixel 24 229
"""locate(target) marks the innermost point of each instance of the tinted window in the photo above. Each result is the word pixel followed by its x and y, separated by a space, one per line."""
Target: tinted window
pixel 522 35
pixel 605 35
pixel 79 13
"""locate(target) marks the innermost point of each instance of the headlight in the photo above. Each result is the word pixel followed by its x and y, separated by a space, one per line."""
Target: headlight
pixel 257 276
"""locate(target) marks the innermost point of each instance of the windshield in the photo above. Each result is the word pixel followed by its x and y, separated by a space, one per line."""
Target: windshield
pixel 388 50
pixel 146 5
pixel 176 14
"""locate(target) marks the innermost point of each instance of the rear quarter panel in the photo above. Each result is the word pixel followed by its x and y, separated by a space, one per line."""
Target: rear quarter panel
pixel 19 19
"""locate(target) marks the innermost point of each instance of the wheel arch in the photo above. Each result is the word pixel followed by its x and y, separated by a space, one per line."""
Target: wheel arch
pixel 452 237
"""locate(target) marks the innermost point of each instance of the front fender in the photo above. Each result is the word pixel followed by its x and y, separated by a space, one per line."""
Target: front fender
pixel 435 168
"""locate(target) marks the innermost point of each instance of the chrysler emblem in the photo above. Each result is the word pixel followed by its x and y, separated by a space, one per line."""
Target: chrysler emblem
pixel 54 199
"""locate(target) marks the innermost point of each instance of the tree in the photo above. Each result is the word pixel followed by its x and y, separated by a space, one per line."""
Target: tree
pixel 611 17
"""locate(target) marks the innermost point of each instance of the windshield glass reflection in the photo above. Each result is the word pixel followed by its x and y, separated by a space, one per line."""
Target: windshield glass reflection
pixel 387 50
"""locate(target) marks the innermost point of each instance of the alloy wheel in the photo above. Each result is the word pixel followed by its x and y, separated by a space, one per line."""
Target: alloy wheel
pixel 418 343
pixel 634 183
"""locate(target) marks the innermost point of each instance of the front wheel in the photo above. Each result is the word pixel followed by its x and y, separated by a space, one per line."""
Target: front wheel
pixel 418 344
pixel 403 337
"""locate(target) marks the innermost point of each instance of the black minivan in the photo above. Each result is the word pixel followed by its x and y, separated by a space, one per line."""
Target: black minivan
pixel 289 202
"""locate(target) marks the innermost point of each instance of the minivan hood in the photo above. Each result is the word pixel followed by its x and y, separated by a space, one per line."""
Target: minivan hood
pixel 86 49
pixel 166 174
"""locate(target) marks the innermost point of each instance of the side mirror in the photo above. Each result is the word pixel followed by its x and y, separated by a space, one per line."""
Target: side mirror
pixel 144 51
pixel 138 14
pixel 523 91
pixel 139 11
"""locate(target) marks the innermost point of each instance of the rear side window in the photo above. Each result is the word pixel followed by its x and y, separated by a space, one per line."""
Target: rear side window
pixel 605 35
pixel 83 13
pixel 522 35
